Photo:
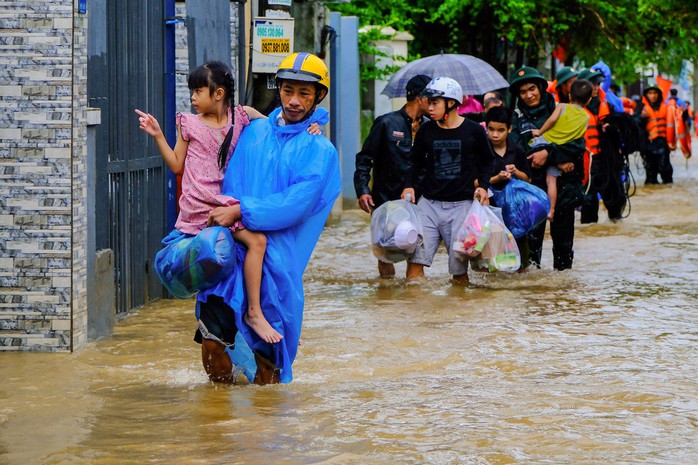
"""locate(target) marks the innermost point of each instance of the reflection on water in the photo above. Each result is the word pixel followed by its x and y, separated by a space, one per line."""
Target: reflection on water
pixel 592 365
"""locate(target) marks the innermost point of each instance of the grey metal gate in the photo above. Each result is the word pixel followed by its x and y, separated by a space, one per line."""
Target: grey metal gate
pixel 128 72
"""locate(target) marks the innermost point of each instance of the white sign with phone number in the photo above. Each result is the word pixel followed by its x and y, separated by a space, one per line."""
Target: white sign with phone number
pixel 272 41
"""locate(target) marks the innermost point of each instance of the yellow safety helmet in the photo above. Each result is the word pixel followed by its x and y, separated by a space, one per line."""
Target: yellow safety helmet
pixel 304 66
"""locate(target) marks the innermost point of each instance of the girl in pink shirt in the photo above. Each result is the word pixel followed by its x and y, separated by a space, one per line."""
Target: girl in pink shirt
pixel 215 129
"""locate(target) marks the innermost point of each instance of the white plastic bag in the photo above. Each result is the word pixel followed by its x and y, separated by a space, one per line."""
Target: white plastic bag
pixel 396 231
pixel 485 240
pixel 500 253
pixel 473 234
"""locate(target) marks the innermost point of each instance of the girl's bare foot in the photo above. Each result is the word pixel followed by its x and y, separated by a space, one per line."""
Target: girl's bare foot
pixel 260 325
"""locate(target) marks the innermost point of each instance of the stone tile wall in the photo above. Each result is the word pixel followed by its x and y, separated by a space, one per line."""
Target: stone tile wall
pixel 43 104
pixel 43 175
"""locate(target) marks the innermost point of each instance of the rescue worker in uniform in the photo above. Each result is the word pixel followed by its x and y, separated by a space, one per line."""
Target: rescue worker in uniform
pixel 602 171
pixel 679 109
pixel 533 107
pixel 659 132
pixel 561 86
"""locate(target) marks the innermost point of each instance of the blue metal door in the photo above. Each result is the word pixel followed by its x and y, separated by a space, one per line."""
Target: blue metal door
pixel 126 71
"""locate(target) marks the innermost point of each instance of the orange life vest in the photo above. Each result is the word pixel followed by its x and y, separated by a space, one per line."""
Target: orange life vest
pixel 661 123
pixel 685 141
pixel 671 126
pixel 628 105
pixel 591 136
pixel 682 133
pixel 593 127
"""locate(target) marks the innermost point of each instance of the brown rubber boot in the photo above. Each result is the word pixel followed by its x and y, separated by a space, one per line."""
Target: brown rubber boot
pixel 216 362
pixel 267 372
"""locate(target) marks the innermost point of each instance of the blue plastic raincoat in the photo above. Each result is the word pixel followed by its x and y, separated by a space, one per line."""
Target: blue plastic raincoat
pixel 615 102
pixel 287 181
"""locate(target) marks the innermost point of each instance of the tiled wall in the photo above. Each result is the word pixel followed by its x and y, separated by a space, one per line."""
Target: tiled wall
pixel 43 176
pixel 182 54
pixel 43 68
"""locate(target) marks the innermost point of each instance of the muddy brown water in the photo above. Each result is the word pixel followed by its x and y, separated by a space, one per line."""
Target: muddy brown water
pixel 594 365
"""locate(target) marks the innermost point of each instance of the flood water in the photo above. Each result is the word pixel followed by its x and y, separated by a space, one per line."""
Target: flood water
pixel 594 365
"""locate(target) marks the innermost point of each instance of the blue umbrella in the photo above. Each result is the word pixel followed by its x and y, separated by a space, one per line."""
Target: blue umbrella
pixel 473 74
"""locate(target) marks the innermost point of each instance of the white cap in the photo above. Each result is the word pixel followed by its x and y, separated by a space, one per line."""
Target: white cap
pixel 406 235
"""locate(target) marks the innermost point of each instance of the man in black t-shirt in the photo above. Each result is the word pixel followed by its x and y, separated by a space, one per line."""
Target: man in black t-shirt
pixel 450 153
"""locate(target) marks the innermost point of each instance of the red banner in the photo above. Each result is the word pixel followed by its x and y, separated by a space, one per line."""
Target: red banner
pixel 665 85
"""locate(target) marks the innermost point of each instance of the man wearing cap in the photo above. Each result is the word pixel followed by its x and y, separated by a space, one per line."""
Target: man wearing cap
pixel 653 118
pixel 533 108
pixel 561 86
pixel 287 181
pixel 602 171
pixel 386 152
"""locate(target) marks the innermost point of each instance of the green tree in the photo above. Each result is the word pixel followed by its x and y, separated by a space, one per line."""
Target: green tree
pixel 626 34
pixel 398 14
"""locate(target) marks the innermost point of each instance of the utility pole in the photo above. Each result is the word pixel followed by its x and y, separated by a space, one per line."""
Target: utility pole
pixel 272 40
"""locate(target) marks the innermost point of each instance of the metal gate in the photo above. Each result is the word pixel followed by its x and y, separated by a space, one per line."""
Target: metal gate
pixel 128 72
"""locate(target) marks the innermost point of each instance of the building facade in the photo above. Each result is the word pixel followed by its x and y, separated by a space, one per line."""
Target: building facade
pixel 43 185
pixel 82 190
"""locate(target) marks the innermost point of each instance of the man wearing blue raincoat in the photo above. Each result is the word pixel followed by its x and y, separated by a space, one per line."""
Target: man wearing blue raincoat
pixel 287 181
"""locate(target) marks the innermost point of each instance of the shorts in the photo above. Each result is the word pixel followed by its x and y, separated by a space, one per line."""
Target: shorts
pixel 553 171
pixel 216 322
pixel 538 142
pixel 441 220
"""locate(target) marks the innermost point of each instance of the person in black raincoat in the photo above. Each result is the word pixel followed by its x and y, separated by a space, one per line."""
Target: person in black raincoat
pixel 386 151
pixel 534 106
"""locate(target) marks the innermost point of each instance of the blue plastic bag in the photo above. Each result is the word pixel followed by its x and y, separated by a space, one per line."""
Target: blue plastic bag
pixel 524 206
pixel 189 263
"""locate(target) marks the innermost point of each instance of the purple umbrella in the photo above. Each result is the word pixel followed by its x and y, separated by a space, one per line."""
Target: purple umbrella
pixel 473 74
